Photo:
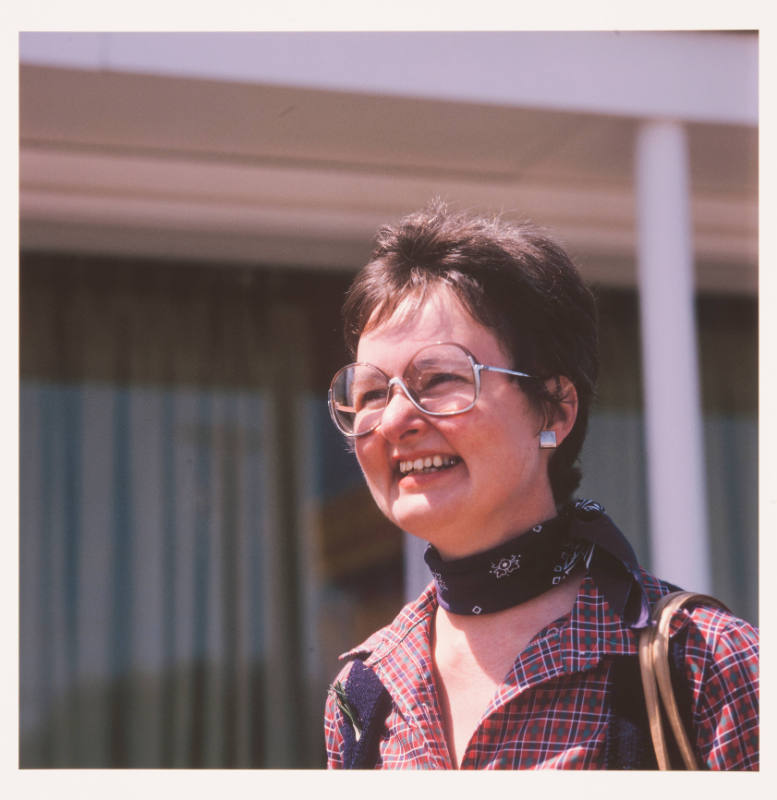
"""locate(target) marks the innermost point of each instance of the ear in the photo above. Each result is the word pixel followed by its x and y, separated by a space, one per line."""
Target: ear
pixel 563 413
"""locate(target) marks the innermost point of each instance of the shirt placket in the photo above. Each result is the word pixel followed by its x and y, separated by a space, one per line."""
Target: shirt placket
pixel 539 662
pixel 407 674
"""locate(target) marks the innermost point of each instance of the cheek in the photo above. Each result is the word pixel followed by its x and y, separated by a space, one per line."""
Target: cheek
pixel 521 417
pixel 368 456
pixel 507 441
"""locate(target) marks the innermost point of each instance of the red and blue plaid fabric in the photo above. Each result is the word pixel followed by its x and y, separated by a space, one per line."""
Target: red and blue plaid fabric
pixel 552 710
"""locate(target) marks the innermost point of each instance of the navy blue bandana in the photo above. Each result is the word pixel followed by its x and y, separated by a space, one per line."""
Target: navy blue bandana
pixel 582 535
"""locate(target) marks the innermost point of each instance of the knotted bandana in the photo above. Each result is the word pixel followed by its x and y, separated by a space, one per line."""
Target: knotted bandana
pixel 541 558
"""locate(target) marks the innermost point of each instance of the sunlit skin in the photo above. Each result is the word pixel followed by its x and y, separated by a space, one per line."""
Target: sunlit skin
pixel 500 486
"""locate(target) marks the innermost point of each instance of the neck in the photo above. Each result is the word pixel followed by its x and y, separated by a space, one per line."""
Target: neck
pixel 458 540
pixel 524 621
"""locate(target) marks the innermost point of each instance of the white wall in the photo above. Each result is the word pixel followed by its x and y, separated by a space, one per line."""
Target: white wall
pixel 697 76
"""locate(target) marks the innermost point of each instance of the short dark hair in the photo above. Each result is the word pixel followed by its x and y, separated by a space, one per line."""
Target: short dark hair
pixel 513 279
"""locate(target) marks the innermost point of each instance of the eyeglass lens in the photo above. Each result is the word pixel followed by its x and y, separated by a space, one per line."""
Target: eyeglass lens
pixel 440 379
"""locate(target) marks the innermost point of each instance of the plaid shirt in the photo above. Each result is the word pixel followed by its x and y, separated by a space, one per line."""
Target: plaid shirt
pixel 552 710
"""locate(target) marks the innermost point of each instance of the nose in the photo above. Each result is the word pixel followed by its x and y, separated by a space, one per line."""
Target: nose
pixel 400 416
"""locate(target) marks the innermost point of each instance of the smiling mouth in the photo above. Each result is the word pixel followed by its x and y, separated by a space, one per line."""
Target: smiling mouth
pixel 426 465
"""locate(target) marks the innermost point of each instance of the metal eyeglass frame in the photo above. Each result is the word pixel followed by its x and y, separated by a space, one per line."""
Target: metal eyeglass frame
pixel 477 368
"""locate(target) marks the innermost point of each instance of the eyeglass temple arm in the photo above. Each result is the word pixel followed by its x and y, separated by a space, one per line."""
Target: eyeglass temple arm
pixel 503 371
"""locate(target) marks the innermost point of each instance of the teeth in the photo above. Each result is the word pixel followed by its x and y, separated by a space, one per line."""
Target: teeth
pixel 427 463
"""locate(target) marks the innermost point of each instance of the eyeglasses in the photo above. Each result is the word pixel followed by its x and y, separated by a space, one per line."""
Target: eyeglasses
pixel 440 380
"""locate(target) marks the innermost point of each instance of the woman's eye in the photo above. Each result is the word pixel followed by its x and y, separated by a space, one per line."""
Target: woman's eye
pixel 371 399
pixel 439 380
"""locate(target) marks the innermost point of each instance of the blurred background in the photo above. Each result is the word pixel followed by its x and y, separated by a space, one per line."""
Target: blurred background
pixel 196 545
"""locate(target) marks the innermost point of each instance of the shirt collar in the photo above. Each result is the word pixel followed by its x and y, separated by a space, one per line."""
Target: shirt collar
pixel 592 630
pixel 384 640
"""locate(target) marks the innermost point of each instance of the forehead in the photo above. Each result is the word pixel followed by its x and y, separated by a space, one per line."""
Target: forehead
pixel 440 317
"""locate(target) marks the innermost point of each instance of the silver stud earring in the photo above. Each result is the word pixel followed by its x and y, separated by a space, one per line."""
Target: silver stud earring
pixel 547 440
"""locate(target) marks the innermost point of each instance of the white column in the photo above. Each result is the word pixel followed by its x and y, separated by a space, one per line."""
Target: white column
pixel 673 422
pixel 417 574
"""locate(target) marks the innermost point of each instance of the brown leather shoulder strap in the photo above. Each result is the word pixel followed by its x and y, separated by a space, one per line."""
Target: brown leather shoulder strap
pixel 656 679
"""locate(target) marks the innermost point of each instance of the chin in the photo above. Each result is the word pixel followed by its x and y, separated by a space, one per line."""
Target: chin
pixel 423 522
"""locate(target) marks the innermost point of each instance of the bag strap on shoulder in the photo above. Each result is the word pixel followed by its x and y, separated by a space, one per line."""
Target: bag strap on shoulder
pixel 656 677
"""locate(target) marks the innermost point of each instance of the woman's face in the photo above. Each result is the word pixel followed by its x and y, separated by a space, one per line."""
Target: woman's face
pixel 494 480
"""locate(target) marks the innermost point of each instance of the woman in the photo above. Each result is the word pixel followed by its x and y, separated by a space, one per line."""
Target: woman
pixel 475 350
